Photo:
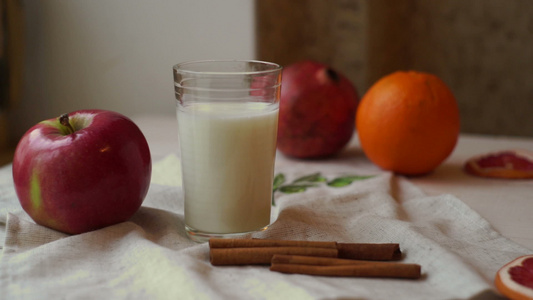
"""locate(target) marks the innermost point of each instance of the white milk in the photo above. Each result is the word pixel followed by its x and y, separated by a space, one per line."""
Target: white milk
pixel 227 153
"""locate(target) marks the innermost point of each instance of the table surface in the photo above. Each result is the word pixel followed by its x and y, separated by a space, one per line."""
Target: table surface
pixel 505 204
pixel 150 257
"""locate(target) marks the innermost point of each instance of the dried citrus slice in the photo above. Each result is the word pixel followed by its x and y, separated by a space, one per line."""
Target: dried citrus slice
pixel 510 164
pixel 515 279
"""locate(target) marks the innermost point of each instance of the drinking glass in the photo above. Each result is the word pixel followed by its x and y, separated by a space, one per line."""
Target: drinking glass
pixel 227 114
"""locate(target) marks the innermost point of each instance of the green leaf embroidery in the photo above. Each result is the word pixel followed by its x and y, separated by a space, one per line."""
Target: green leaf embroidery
pixel 316 177
pixel 278 181
pixel 295 188
pixel 313 180
pixel 346 180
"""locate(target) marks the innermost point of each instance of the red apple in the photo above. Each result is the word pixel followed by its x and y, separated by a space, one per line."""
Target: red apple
pixel 317 110
pixel 82 171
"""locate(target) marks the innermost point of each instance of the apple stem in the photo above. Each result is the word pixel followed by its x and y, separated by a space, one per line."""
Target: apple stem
pixel 63 119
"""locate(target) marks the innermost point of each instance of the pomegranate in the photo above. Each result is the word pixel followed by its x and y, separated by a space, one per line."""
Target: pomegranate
pixel 317 110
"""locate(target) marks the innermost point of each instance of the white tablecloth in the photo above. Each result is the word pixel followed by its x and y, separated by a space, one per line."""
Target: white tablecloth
pixel 150 257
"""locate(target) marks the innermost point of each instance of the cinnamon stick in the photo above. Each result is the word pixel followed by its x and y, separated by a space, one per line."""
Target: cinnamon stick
pixel 360 251
pixel 262 255
pixel 380 252
pixel 317 261
pixel 343 268
pixel 245 243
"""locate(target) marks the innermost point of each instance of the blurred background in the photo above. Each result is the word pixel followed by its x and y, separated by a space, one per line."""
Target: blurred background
pixel 58 56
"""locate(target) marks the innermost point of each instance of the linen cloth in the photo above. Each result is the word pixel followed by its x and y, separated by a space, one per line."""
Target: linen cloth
pixel 150 257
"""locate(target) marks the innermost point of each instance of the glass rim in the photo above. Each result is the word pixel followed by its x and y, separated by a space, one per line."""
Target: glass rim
pixel 179 67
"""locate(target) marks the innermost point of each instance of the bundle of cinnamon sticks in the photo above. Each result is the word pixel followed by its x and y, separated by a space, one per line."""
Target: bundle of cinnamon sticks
pixel 314 257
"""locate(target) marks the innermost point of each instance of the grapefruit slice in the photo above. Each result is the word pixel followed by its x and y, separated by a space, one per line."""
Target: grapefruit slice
pixel 515 279
pixel 509 164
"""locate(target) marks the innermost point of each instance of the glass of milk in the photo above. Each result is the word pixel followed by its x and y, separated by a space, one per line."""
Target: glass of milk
pixel 227 125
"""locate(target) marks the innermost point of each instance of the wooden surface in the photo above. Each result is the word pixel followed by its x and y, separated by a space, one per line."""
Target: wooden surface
pixel 5 147
pixel 12 57
pixel 326 31
pixel 480 48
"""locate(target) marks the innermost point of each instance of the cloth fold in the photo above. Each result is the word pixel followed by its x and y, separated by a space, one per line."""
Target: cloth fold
pixel 150 257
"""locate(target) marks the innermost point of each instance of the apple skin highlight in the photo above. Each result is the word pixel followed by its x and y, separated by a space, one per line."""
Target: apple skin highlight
pixel 80 181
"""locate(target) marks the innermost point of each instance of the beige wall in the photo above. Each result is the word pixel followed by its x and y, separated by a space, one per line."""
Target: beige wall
pixel 118 54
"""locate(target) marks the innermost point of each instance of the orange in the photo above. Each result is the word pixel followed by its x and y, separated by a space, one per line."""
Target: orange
pixel 408 122
pixel 515 279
